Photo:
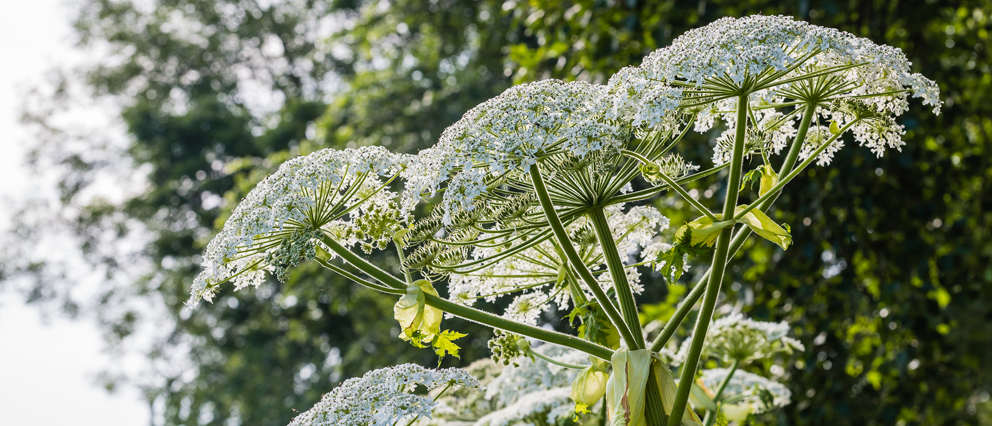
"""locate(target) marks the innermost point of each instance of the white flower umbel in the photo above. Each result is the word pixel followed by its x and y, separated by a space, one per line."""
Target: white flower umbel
pixel 544 406
pixel 816 136
pixel 735 338
pixel 751 46
pixel 527 393
pixel 506 134
pixel 774 58
pixel 382 397
pixel 747 389
pixel 279 223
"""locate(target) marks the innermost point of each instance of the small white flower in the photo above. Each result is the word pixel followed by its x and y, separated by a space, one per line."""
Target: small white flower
pixel 278 222
pixel 382 397
pixel 506 134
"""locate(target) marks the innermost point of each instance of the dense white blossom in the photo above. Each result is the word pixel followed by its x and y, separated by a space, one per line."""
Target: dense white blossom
pixel 382 397
pixel 733 51
pixel 748 389
pixel 506 134
pixel 816 136
pixel 738 48
pixel 550 404
pixel 734 337
pixel 526 393
pixel 278 222
pixel 643 103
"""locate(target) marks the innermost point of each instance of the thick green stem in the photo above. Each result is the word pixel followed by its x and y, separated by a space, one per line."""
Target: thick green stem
pixel 575 260
pixel 618 272
pixel 741 236
pixel 470 313
pixel 485 318
pixel 654 410
pixel 717 267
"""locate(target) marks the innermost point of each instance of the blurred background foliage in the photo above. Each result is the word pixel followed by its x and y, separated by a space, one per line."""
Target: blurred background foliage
pixel 888 284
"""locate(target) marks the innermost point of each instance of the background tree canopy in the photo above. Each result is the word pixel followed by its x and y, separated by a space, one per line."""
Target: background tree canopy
pixel 888 285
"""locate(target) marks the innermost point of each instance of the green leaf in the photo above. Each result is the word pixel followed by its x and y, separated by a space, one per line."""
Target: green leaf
pixel 675 257
pixel 443 344
pixel 768 179
pixel 704 230
pixel 764 226
pixel 418 322
pixel 596 326
pixel 750 177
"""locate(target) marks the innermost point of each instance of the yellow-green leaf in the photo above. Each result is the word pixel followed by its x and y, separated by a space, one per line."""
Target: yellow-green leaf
pixel 666 385
pixel 704 230
pixel 444 343
pixel 768 179
pixel 418 322
pixel 625 390
pixel 764 226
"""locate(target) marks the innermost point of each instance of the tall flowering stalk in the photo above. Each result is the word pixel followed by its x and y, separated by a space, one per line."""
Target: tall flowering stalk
pixel 531 198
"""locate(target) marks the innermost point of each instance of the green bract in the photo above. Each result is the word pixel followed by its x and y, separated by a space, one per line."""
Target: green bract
pixel 419 323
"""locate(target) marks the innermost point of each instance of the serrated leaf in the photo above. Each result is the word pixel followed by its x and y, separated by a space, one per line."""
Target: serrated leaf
pixel 443 344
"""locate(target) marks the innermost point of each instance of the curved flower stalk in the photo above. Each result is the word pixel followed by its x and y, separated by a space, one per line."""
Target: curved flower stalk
pixel 278 225
pixel 383 397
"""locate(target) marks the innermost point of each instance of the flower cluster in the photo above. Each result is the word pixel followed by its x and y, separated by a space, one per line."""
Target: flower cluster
pixel 757 393
pixel 277 224
pixel 748 47
pixel 382 397
pixel 735 338
pixel 769 54
pixel 506 134
pixel 528 392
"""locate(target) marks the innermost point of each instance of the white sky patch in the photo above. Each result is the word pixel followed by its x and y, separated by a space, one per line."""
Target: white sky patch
pixel 44 365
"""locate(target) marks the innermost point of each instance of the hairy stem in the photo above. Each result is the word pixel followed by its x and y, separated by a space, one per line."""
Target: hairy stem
pixel 717 267
pixel 618 272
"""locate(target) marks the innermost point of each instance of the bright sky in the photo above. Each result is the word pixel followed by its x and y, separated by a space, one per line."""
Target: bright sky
pixel 47 369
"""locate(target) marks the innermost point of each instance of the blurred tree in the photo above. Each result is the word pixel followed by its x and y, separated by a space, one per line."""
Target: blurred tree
pixel 888 284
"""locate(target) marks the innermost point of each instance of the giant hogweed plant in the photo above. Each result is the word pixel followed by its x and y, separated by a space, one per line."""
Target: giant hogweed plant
pixel 530 199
